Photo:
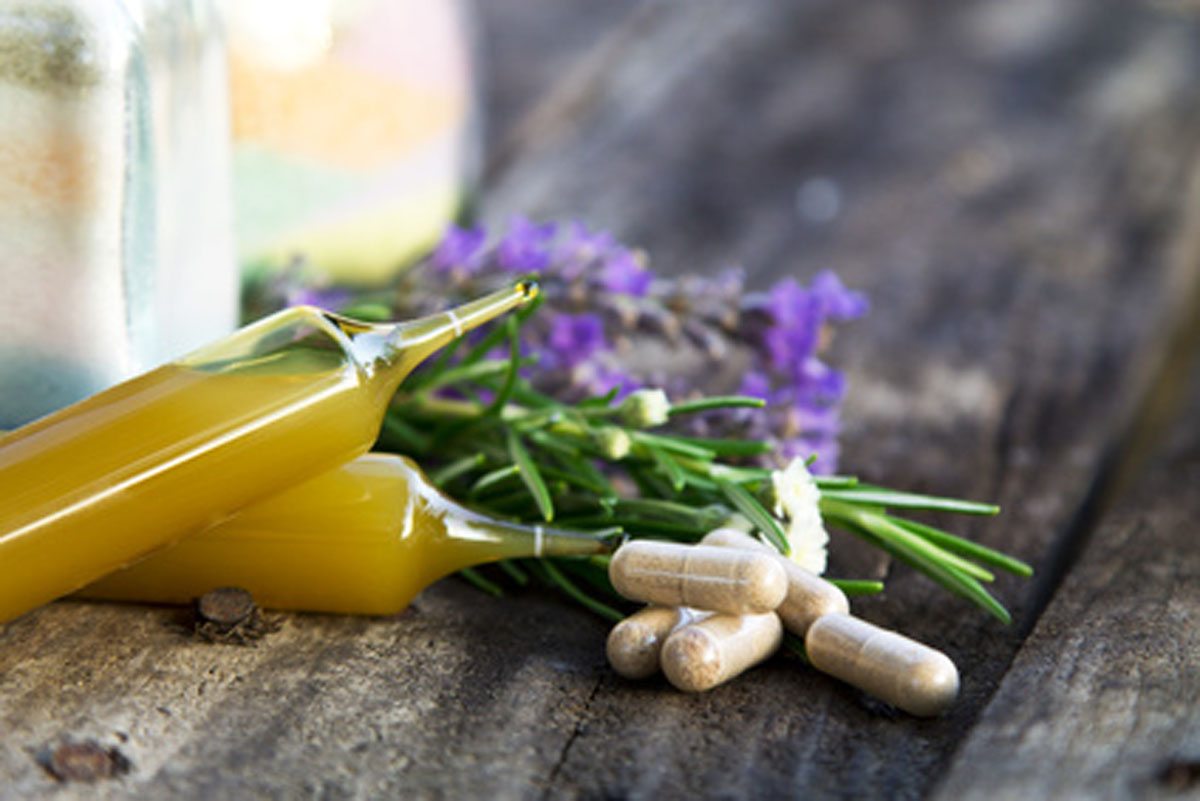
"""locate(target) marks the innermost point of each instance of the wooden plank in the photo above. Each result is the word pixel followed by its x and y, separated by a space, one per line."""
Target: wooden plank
pixel 1103 699
pixel 461 696
pixel 1003 193
pixel 1002 190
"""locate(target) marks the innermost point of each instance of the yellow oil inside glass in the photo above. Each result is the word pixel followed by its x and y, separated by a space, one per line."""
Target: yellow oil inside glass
pixel 362 539
pixel 95 486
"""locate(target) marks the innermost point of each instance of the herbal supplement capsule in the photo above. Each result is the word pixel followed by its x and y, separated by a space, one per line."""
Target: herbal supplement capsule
pixel 701 656
pixel 808 595
pixel 903 672
pixel 703 576
pixel 634 644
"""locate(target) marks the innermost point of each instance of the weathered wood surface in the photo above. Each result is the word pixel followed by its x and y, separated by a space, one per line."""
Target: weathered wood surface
pixel 1003 179
pixel 1103 699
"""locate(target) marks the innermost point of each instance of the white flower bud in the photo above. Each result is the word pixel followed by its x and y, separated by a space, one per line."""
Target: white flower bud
pixel 613 442
pixel 645 408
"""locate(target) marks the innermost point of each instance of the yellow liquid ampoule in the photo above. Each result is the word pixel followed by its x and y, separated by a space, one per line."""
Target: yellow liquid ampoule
pixel 96 485
pixel 362 539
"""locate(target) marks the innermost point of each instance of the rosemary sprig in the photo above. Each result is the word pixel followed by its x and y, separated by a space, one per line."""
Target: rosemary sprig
pixel 513 451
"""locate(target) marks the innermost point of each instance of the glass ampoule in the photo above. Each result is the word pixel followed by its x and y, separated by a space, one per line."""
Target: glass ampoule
pixel 176 450
pixel 362 539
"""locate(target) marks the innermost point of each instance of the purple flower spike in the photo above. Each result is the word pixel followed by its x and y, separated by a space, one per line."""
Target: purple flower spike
pixel 822 380
pixel 460 250
pixel 756 384
pixel 574 338
pixel 837 302
pixel 623 272
pixel 581 248
pixel 792 306
pixel 526 247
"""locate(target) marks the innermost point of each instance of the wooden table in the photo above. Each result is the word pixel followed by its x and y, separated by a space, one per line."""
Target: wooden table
pixel 1009 182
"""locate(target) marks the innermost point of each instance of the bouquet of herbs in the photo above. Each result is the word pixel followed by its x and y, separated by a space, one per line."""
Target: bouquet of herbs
pixel 588 409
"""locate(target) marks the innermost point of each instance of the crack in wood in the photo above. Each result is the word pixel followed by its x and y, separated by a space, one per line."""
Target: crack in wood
pixel 576 731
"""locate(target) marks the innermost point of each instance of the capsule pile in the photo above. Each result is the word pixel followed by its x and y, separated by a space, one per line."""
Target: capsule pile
pixel 718 608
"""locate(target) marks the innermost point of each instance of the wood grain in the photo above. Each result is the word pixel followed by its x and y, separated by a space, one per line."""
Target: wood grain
pixel 1002 178
pixel 1103 699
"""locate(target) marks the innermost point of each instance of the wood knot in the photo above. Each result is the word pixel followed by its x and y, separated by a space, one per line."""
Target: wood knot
pixel 1180 774
pixel 85 761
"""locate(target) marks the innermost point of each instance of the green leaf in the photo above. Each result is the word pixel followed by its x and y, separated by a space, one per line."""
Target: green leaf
pixel 573 478
pixel 473 576
pixel 515 573
pixel 457 468
pixel 672 444
pixel 491 479
pixel 510 377
pixel 649 483
pixel 717 402
pixel 553 442
pixel 836 482
pixel 964 547
pixel 473 372
pixel 531 476
pixel 555 577
pixel 858 586
pixel 670 468
pixel 600 400
pixel 659 509
pixel 913 550
pixel 763 520
pixel 728 447
pixel 877 496
pixel 587 469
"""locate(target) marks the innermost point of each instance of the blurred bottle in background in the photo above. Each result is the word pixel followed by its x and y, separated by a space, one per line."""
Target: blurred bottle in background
pixel 197 279
pixel 355 131
pixel 115 240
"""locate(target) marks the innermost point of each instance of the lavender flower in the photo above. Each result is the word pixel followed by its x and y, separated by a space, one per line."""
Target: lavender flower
pixel 837 302
pixel 573 338
pixel 526 247
pixel 459 251
pixel 603 302
pixel 624 273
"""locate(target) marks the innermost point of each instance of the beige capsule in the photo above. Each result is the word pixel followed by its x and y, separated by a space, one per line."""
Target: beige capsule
pixel 702 655
pixel 635 643
pixel 808 595
pixel 700 576
pixel 890 666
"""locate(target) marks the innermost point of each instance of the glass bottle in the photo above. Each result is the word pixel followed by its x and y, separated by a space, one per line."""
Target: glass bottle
pixel 196 282
pixel 115 243
pixel 355 131
pixel 362 539
pixel 94 486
